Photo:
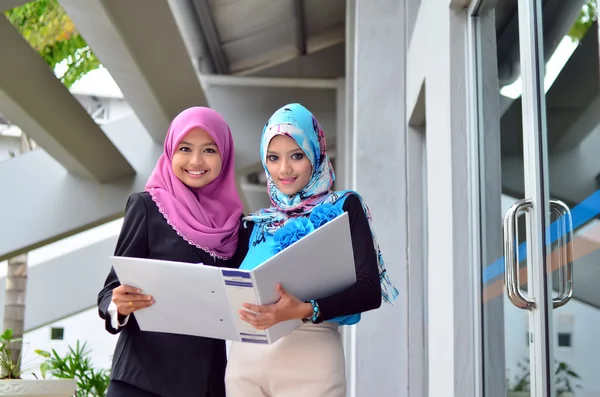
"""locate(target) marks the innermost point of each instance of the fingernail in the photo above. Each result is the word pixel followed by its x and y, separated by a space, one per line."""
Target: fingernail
pixel 149 298
pixel 139 290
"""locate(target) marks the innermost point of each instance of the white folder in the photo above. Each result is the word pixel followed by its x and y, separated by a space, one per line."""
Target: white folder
pixel 194 299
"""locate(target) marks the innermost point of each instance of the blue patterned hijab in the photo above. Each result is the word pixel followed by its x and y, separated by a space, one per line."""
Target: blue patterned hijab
pixel 296 122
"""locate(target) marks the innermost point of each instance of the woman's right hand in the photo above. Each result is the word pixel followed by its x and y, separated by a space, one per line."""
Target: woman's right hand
pixel 130 299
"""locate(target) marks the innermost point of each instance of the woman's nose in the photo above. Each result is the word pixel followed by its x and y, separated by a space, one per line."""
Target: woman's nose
pixel 285 167
pixel 197 159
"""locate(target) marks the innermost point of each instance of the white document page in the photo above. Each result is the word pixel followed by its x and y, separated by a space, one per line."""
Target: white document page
pixel 190 298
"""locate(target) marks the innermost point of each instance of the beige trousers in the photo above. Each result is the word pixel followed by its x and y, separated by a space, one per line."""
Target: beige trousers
pixel 309 362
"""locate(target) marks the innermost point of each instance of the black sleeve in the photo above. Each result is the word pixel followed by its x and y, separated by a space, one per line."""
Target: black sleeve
pixel 365 294
pixel 132 242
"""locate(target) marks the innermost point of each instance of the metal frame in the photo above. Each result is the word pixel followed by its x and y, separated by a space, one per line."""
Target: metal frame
pixel 536 188
pixel 475 112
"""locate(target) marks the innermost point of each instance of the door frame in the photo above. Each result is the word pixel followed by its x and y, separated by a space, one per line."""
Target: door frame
pixel 486 139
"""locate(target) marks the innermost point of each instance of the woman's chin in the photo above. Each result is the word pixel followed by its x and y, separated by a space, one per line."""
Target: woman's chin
pixel 287 189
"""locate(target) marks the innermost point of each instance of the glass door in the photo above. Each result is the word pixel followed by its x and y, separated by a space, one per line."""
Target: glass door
pixel 572 97
pixel 537 93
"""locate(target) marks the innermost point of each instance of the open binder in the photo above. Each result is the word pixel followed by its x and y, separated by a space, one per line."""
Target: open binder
pixel 194 299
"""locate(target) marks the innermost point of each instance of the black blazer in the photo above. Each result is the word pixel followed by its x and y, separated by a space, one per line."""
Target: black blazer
pixel 168 365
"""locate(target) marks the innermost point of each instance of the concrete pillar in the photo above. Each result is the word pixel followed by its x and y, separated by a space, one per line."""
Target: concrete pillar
pixel 376 125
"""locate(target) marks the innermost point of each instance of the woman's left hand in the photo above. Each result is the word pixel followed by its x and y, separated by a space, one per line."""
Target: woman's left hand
pixel 287 308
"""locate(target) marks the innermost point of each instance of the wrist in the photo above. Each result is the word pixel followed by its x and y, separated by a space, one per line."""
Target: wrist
pixel 314 316
pixel 306 310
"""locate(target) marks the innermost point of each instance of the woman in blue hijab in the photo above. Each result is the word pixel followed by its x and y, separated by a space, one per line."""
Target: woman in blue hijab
pixel 310 360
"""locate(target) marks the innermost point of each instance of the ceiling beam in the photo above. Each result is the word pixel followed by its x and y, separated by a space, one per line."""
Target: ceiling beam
pixel 315 43
pixel 140 44
pixel 300 27
pixel 34 99
pixel 586 123
pixel 41 203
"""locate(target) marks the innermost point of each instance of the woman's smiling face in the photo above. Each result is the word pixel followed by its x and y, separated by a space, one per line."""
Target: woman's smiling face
pixel 197 161
pixel 288 165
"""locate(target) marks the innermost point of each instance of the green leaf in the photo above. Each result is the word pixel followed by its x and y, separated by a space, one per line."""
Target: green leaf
pixel 42 353
pixel 44 367
pixel 7 335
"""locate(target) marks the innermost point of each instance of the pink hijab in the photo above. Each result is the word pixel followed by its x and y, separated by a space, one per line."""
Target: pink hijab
pixel 207 217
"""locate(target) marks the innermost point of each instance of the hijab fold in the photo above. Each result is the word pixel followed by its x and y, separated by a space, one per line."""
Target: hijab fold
pixel 296 122
pixel 207 217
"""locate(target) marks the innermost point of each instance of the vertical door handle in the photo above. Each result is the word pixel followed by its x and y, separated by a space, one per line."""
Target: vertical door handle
pixel 564 225
pixel 511 255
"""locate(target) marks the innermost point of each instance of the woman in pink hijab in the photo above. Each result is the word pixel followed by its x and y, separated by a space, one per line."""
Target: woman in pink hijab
pixel 190 212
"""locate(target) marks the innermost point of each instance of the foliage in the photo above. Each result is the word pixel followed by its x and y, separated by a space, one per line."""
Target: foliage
pixel 10 367
pixel 564 378
pixel 50 31
pixel 76 364
pixel 587 16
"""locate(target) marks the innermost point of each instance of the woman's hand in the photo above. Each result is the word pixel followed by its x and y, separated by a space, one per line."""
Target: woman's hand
pixel 130 299
pixel 287 308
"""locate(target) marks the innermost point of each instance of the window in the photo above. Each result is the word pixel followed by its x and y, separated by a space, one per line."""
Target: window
pixel 564 339
pixel 57 333
pixel 564 330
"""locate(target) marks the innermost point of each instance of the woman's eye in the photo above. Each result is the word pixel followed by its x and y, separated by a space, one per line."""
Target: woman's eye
pixel 209 150
pixel 297 156
pixel 272 157
pixel 185 149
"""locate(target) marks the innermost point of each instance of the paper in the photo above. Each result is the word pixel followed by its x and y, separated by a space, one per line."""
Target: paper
pixel 194 299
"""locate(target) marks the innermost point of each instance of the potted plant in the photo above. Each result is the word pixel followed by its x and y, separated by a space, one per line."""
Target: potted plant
pixel 76 364
pixel 11 384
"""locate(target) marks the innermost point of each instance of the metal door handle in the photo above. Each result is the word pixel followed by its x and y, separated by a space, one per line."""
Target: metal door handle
pixel 511 256
pixel 565 276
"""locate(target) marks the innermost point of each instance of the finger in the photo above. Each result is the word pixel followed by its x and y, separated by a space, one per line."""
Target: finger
pixel 249 318
pixel 248 315
pixel 133 305
pixel 127 289
pixel 133 297
pixel 254 308
pixel 259 308
pixel 258 321
pixel 279 288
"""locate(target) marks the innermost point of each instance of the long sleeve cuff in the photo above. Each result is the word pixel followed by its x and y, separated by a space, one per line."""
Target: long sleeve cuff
pixel 113 312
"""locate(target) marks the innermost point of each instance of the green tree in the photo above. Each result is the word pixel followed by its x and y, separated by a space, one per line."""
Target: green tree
pixel 50 31
pixel 587 16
